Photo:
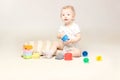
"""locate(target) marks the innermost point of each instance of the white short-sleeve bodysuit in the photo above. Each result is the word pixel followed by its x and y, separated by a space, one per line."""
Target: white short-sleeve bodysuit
pixel 70 31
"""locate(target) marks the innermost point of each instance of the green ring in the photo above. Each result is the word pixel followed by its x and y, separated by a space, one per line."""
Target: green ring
pixel 27 57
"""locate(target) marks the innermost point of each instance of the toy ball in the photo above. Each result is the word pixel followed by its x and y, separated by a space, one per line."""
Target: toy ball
pixel 68 56
pixel 85 53
pixel 27 47
pixel 99 58
pixel 36 55
pixel 65 38
pixel 86 60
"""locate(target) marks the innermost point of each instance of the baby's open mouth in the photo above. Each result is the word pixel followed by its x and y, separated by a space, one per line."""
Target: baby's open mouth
pixel 65 19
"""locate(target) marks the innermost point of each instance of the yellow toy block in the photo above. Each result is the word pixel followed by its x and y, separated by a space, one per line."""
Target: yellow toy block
pixel 36 55
pixel 99 58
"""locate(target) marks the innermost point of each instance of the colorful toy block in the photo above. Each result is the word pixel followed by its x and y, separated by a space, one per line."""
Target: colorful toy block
pixel 68 56
pixel 27 57
pixel 65 38
pixel 27 47
pixel 99 58
pixel 35 55
pixel 27 51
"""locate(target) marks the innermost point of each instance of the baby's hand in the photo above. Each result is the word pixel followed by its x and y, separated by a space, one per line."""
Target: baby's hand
pixel 65 38
pixel 60 35
pixel 68 42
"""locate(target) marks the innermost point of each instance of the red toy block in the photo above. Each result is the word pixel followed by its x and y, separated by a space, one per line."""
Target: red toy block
pixel 68 56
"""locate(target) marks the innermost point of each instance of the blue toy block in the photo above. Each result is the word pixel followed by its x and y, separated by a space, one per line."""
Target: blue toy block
pixel 65 38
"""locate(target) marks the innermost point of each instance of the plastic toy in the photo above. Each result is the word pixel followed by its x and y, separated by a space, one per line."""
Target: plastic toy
pixel 84 53
pixel 68 56
pixel 27 57
pixel 59 56
pixel 99 58
pixel 27 52
pixel 65 38
pixel 36 55
pixel 27 47
pixel 86 60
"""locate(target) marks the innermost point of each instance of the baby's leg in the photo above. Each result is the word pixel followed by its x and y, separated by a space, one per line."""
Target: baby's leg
pixel 55 46
pixel 75 52
pixel 52 51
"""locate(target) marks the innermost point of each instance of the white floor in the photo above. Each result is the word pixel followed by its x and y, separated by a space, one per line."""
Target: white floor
pixel 13 67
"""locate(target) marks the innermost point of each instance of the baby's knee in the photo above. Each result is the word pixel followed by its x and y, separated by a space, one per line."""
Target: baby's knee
pixel 55 43
pixel 76 53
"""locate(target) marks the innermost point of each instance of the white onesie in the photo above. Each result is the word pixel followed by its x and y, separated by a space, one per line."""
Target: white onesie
pixel 70 31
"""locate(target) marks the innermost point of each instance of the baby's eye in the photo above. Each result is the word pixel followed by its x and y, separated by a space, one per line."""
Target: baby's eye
pixel 68 14
pixel 63 15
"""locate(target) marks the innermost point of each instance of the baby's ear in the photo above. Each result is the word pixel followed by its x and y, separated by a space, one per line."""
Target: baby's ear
pixel 73 19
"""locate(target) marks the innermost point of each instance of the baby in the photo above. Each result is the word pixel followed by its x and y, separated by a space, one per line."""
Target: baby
pixel 69 28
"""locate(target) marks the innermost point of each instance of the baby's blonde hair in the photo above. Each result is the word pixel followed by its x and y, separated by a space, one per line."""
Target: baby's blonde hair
pixel 69 7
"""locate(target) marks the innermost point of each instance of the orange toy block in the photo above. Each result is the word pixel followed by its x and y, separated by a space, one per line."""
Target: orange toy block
pixel 27 47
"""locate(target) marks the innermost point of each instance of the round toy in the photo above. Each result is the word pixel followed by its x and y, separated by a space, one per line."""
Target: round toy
pixel 68 56
pixel 85 53
pixel 65 38
pixel 99 58
pixel 86 60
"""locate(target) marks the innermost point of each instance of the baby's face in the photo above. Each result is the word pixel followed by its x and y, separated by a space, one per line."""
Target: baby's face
pixel 67 16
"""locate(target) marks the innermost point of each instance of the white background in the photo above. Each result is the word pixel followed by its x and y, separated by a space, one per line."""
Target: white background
pixel 24 20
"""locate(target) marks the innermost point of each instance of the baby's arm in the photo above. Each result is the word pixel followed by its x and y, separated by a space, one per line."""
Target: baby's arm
pixel 60 35
pixel 76 39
